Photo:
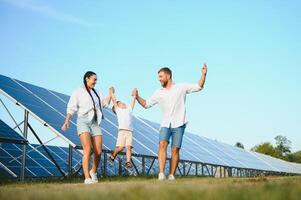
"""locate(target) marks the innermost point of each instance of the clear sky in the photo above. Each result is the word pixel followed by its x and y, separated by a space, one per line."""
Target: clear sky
pixel 252 49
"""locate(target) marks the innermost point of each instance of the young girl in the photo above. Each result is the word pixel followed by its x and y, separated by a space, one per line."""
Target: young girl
pixel 125 136
pixel 88 103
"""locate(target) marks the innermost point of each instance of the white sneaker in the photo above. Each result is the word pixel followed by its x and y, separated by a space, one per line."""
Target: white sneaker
pixel 94 176
pixel 161 177
pixel 89 181
pixel 171 177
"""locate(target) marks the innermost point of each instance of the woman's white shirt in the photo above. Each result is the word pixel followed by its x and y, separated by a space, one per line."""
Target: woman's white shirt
pixel 81 103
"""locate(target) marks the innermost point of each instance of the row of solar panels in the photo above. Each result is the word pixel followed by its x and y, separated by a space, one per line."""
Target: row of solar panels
pixel 49 107
pixel 38 162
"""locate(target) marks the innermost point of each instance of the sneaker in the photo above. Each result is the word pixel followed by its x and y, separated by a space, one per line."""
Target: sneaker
pixel 89 181
pixel 129 165
pixel 94 176
pixel 171 177
pixel 161 177
pixel 111 160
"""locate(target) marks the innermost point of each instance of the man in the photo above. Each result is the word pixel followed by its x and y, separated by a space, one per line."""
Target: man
pixel 171 98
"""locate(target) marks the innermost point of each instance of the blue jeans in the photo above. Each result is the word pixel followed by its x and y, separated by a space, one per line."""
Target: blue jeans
pixel 176 135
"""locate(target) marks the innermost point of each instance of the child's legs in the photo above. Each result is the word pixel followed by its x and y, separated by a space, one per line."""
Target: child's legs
pixel 129 145
pixel 128 153
pixel 117 151
pixel 120 143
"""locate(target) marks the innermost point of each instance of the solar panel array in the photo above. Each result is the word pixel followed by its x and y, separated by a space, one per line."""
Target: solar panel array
pixel 49 107
pixel 38 164
pixel 7 134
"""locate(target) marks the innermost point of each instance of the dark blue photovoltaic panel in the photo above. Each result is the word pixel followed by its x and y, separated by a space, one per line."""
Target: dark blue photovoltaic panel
pixel 4 173
pixel 60 155
pixel 37 165
pixel 7 134
pixel 36 105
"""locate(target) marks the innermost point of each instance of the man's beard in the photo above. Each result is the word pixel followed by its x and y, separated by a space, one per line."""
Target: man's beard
pixel 164 84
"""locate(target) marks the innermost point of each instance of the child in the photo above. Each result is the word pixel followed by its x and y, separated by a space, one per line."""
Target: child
pixel 125 129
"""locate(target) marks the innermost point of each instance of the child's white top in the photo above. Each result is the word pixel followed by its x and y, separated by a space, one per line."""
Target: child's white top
pixel 81 103
pixel 124 117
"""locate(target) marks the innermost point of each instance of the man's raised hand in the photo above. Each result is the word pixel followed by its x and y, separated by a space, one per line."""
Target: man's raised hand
pixel 135 92
pixel 204 69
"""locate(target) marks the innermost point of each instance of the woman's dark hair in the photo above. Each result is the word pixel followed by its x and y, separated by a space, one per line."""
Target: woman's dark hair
pixel 114 109
pixel 88 74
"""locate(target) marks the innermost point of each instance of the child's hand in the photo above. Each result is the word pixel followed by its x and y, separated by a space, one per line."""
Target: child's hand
pixel 111 91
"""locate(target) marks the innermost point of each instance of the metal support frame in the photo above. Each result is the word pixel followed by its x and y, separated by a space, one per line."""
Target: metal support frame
pixel 179 171
pixel 25 131
pixel 135 167
pixel 104 164
pixel 149 169
pixel 189 169
pixel 70 162
pixel 46 150
pixel 143 166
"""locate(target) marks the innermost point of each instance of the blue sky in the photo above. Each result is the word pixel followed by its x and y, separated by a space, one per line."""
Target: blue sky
pixel 252 49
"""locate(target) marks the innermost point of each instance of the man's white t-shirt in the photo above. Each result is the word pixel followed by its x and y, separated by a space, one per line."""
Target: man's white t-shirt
pixel 172 103
pixel 124 117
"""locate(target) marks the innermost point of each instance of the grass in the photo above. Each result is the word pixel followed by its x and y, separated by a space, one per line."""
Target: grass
pixel 149 188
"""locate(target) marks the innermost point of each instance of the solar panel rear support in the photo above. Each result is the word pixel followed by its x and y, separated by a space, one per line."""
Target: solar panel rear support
pixel 46 150
pixel 25 131
pixel 70 162
pixel 17 126
pixel 11 116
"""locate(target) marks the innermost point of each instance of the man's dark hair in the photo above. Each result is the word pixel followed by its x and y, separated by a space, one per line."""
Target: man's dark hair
pixel 166 70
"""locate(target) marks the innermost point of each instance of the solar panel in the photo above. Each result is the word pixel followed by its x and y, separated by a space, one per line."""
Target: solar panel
pixel 280 165
pixel 7 134
pixel 38 107
pixel 50 108
pixel 213 152
pixel 61 156
pixel 37 164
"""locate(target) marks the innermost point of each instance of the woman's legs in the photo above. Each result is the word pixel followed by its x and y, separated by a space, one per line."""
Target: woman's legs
pixel 97 148
pixel 85 139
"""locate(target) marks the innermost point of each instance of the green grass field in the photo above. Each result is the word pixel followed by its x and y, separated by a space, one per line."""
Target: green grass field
pixel 149 188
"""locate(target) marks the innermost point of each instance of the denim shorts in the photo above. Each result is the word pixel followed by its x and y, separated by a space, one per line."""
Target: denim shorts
pixel 86 126
pixel 176 135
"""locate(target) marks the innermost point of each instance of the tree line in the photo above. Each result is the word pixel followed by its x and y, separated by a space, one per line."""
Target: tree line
pixel 281 149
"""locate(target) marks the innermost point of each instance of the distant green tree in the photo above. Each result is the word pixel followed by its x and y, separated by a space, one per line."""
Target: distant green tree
pixel 239 145
pixel 283 146
pixel 282 149
pixel 294 157
pixel 266 148
pixel 297 157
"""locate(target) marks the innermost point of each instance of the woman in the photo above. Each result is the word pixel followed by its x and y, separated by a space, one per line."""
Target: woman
pixel 87 103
